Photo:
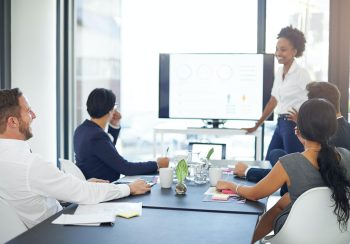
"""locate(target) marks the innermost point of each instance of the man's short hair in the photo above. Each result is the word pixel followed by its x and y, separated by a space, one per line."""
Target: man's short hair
pixel 9 106
pixel 100 102
pixel 324 90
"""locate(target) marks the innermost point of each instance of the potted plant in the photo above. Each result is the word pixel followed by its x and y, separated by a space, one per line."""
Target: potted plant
pixel 210 152
pixel 206 165
pixel 181 173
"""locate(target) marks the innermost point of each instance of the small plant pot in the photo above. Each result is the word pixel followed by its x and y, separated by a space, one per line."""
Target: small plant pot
pixel 180 188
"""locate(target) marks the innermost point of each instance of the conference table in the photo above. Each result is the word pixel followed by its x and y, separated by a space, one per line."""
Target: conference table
pixel 166 218
pixel 162 198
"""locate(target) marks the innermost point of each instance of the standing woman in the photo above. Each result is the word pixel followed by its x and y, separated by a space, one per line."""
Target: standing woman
pixel 288 91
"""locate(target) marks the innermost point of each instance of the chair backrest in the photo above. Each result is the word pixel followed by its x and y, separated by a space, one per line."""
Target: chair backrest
pixel 10 224
pixel 69 167
pixel 311 220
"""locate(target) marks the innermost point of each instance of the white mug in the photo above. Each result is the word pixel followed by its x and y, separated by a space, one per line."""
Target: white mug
pixel 166 177
pixel 215 174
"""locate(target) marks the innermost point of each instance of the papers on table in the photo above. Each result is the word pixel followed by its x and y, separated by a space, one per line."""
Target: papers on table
pixel 114 208
pixel 85 219
pixel 102 213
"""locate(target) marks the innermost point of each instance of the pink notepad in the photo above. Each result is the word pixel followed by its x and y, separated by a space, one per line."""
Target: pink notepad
pixel 220 197
pixel 227 191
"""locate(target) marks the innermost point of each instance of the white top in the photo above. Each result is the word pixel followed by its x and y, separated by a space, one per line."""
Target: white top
pixel 31 185
pixel 290 92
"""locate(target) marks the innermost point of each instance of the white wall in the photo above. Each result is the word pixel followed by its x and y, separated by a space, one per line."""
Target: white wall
pixel 33 54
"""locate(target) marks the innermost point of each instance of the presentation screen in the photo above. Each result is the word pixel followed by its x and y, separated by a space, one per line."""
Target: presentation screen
pixel 214 86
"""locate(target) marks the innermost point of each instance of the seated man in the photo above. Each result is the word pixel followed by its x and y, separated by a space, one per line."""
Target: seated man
pixel 31 185
pixel 324 90
pixel 95 152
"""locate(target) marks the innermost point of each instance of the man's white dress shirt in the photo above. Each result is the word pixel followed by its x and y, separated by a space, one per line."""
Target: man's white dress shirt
pixel 31 185
pixel 290 92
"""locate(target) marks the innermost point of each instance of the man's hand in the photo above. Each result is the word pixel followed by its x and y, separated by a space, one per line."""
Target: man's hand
pixel 163 162
pixel 97 180
pixel 115 118
pixel 240 169
pixel 139 187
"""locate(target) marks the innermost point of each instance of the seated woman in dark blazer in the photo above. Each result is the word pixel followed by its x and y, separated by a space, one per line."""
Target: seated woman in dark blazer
pixel 95 152
pixel 320 164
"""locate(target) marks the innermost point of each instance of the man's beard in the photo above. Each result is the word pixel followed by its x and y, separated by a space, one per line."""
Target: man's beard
pixel 24 128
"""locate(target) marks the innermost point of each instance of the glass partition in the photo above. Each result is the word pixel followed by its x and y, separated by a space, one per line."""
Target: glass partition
pixel 97 50
pixel 312 18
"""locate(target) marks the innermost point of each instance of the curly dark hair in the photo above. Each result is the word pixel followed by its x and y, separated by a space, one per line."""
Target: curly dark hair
pixel 317 122
pixel 296 37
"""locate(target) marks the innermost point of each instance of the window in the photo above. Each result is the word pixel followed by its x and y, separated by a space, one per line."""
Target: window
pixel 165 26
pixel 97 50
pixel 312 18
pixel 118 45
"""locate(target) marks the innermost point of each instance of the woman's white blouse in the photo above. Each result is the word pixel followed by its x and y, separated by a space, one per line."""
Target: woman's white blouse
pixel 290 92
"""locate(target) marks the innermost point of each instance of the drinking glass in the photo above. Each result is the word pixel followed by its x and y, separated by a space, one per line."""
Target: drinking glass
pixel 193 164
pixel 201 174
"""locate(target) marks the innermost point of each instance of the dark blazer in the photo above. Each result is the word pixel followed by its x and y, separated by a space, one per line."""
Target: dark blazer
pixel 341 138
pixel 96 155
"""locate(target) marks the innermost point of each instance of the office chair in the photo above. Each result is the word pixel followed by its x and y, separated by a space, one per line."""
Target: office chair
pixel 10 224
pixel 311 220
pixel 69 167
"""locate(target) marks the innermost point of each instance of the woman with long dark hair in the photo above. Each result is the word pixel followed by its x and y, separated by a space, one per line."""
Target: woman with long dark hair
pixel 320 164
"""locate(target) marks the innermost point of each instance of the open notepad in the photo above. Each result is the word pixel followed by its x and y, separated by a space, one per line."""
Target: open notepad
pixel 100 214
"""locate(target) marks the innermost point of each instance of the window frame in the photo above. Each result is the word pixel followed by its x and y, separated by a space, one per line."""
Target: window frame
pixel 5 44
